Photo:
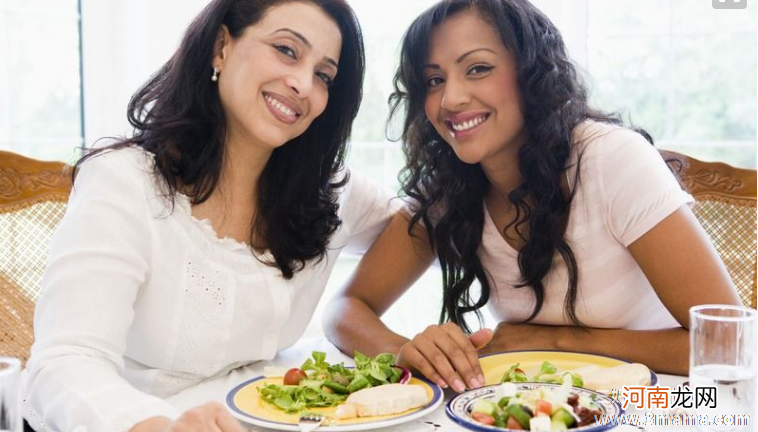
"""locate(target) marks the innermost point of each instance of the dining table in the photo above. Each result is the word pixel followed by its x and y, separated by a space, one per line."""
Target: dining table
pixel 216 389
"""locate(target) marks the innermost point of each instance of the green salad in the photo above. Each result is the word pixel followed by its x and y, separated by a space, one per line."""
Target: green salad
pixel 548 373
pixel 318 384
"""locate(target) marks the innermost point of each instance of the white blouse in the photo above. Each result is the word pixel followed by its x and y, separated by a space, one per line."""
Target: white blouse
pixel 624 190
pixel 141 300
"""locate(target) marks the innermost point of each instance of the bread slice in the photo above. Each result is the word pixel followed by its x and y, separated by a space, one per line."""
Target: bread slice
pixel 607 379
pixel 382 400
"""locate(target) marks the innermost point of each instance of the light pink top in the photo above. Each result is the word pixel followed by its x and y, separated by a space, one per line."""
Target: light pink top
pixel 624 190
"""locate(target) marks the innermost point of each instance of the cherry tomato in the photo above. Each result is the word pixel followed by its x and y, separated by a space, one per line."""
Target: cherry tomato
pixel 483 418
pixel 293 376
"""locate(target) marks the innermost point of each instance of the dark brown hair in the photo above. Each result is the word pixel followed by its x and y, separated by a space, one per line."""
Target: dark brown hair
pixel 554 102
pixel 177 116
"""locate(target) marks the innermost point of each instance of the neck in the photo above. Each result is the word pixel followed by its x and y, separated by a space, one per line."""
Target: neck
pixel 243 165
pixel 502 169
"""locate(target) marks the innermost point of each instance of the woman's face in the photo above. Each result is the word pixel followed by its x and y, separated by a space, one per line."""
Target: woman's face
pixel 472 97
pixel 274 78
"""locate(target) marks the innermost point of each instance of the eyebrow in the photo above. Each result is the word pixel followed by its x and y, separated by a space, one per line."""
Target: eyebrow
pixel 460 58
pixel 307 43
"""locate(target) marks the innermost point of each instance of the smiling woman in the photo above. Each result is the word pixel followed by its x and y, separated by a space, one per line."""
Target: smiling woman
pixel 202 242
pixel 566 218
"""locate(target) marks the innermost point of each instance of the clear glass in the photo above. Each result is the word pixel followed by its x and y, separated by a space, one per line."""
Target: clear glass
pixel 10 399
pixel 723 355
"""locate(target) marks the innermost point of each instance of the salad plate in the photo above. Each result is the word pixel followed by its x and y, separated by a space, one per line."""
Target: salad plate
pixel 463 408
pixel 495 365
pixel 246 404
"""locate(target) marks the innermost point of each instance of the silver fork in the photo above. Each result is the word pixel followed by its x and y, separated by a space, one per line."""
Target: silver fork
pixel 310 422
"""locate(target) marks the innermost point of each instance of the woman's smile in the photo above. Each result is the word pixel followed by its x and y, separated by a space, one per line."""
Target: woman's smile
pixel 282 109
pixel 465 124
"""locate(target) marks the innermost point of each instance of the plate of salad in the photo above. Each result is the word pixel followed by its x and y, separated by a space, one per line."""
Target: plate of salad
pixel 277 400
pixel 593 372
pixel 532 406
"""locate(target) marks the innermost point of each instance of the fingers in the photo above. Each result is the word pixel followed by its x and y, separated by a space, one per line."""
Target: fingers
pixel 464 356
pixel 444 354
pixel 481 338
pixel 209 417
pixel 412 357
pixel 227 423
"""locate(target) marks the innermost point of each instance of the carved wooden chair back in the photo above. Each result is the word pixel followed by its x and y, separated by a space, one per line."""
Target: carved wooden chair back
pixel 33 196
pixel 725 205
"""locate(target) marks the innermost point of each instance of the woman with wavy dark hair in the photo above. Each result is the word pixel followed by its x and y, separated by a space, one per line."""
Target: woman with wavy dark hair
pixel 580 236
pixel 203 242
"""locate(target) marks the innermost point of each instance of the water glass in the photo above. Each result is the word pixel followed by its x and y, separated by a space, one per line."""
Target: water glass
pixel 723 355
pixel 10 400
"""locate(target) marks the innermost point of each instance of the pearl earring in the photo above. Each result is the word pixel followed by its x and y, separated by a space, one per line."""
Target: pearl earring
pixel 214 77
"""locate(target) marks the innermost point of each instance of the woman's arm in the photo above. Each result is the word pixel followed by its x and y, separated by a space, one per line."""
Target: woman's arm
pixel 685 270
pixel 351 321
pixel 392 264
pixel 98 259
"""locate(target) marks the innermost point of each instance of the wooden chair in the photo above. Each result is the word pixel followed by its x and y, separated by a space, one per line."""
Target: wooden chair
pixel 725 205
pixel 33 196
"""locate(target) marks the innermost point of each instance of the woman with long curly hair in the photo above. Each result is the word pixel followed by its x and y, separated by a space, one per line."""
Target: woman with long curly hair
pixel 203 242
pixel 579 235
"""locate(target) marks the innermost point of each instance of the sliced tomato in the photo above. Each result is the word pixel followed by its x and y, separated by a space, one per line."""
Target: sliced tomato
pixel 512 423
pixel 544 406
pixel 483 418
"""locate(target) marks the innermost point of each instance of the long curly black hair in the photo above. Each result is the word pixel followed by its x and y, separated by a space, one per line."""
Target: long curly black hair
pixel 449 194
pixel 177 116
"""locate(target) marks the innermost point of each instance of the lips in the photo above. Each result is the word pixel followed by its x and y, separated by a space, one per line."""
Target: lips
pixel 282 108
pixel 464 123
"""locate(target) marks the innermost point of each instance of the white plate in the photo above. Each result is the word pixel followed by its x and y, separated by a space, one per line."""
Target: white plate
pixel 459 408
pixel 246 405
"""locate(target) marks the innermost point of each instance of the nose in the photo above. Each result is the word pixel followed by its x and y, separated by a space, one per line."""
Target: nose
pixel 455 94
pixel 300 81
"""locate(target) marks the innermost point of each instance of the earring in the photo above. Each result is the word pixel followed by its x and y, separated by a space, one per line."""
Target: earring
pixel 214 77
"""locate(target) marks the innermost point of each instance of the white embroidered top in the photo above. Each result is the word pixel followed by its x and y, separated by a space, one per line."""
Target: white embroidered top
pixel 140 302
pixel 624 190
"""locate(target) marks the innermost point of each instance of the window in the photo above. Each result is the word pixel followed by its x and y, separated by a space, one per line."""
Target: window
pixel 40 107
pixel 682 70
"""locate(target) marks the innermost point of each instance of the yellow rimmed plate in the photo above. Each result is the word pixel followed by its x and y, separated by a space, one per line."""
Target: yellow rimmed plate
pixel 246 404
pixel 495 365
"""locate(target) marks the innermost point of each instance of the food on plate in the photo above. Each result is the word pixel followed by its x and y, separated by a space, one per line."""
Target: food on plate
pixel 539 409
pixel 547 374
pixel 294 376
pixel 318 384
pixel 605 379
pixel 385 400
pixel 590 377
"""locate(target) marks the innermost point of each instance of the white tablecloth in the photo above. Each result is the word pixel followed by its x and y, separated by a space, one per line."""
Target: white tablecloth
pixel 437 421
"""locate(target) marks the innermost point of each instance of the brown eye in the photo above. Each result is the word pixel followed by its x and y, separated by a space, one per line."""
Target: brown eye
pixel 434 81
pixel 284 49
pixel 325 78
pixel 479 69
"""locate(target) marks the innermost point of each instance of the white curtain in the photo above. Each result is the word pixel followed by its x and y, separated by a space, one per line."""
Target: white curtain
pixel 124 42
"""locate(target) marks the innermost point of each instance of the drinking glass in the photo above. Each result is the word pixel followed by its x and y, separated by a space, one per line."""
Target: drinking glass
pixel 10 400
pixel 723 355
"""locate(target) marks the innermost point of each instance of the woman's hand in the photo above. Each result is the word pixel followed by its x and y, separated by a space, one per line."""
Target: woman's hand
pixel 210 417
pixel 445 355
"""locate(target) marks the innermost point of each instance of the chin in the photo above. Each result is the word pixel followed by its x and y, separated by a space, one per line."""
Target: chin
pixel 468 157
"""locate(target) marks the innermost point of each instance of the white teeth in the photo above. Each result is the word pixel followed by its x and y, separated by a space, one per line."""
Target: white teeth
pixel 276 104
pixel 468 124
